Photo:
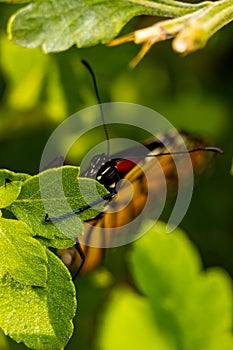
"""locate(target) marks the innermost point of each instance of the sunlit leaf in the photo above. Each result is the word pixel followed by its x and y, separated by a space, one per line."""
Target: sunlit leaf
pixel 55 192
pixel 129 320
pixel 39 317
pixel 171 253
pixel 175 305
pixel 56 26
pixel 21 255
pixel 9 192
pixel 10 186
pixel 55 242
pixel 8 174
pixel 184 299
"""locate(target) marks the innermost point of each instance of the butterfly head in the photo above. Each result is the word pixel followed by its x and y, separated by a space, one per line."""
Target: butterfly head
pixel 108 175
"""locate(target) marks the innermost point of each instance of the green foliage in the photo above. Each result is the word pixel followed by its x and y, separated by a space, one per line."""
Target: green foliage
pixel 10 190
pixel 38 91
pixel 62 26
pixel 190 31
pixel 54 26
pixel 22 256
pixel 181 306
pixel 39 317
pixel 37 294
pixel 61 192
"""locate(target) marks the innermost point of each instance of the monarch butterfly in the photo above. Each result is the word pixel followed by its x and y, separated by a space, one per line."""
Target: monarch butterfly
pixel 141 175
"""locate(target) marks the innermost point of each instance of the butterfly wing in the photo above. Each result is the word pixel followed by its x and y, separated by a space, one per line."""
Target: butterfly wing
pixel 153 174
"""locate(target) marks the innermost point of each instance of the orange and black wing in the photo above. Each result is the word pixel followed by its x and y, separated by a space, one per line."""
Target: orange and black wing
pixel 148 175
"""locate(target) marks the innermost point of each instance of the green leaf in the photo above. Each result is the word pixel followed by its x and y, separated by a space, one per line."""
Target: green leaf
pixel 2 271
pixel 179 305
pixel 191 307
pixel 213 292
pixel 128 320
pixel 57 25
pixel 176 305
pixel 39 317
pixel 7 174
pixel 167 253
pixel 9 190
pixel 55 192
pixel 57 243
pixel 21 255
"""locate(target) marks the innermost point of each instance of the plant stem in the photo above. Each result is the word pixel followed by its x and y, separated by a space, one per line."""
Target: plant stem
pixel 170 8
pixel 202 25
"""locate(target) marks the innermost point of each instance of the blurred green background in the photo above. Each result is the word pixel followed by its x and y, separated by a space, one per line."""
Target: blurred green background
pixel 194 93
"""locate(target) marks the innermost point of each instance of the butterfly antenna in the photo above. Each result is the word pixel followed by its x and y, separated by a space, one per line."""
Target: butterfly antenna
pixel 86 64
pixel 199 149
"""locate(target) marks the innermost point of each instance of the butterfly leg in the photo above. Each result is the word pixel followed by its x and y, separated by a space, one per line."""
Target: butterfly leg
pixel 81 210
pixel 82 256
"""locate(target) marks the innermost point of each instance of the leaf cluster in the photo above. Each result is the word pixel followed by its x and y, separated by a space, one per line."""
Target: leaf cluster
pixel 38 300
pixel 177 305
pixel 54 26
